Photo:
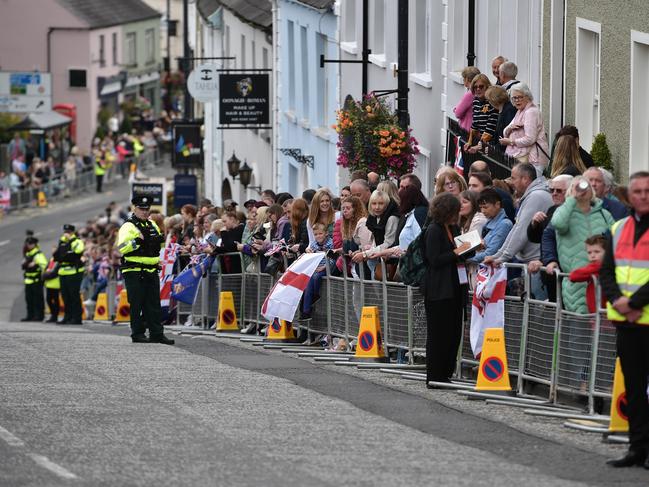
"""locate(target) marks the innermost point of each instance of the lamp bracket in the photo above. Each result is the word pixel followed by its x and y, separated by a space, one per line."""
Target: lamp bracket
pixel 296 154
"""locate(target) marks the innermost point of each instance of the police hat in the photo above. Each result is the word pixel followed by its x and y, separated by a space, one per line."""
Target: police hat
pixel 249 204
pixel 141 201
pixel 31 240
pixel 69 228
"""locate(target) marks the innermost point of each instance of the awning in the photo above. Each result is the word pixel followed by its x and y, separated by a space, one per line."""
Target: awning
pixel 110 88
pixel 140 80
pixel 42 121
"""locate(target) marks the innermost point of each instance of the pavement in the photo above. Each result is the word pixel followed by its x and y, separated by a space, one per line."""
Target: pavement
pixel 84 406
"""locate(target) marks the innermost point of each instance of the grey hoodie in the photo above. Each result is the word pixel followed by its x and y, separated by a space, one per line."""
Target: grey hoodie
pixel 536 198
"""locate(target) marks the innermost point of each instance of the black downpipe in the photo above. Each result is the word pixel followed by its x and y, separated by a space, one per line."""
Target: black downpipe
pixel 188 105
pixel 470 55
pixel 366 52
pixel 402 75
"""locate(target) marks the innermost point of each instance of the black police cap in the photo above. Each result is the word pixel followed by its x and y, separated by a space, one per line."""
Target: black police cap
pixel 141 201
pixel 69 228
pixel 31 240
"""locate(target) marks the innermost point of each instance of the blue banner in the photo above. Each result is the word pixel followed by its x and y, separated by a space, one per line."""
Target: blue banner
pixel 185 285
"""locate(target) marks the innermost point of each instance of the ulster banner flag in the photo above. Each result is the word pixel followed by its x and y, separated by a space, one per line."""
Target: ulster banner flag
pixel 488 306
pixel 284 297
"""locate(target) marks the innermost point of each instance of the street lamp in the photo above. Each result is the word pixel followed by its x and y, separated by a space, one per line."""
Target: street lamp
pixel 233 166
pixel 245 174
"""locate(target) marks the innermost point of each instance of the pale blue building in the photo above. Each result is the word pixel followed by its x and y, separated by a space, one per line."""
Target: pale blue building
pixel 308 95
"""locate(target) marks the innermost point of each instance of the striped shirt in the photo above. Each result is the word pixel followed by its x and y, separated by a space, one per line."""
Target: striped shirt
pixel 485 117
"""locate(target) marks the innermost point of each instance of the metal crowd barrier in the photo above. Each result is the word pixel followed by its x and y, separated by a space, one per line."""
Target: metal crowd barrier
pixel 547 345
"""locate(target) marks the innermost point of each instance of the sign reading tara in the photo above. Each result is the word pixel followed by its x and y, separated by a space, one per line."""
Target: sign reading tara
pixel 26 92
pixel 202 83
pixel 244 99
pixel 154 188
pixel 187 144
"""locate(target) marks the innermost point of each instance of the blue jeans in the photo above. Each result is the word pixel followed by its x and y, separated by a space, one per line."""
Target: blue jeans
pixel 312 290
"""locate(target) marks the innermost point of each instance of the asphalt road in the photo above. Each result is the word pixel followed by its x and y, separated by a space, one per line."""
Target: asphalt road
pixel 84 406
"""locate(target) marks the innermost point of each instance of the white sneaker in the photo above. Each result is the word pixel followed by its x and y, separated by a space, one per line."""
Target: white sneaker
pixel 249 329
pixel 190 321
pixel 88 302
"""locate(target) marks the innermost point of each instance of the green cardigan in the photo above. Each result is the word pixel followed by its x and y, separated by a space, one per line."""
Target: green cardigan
pixel 573 227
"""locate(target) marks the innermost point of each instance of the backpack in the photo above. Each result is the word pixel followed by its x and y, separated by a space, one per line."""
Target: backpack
pixel 412 264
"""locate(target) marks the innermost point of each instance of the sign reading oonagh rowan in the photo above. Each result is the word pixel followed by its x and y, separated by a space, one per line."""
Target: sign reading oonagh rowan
pixel 244 99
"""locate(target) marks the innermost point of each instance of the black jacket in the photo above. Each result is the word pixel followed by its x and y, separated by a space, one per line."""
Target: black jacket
pixel 302 237
pixel 442 281
pixel 229 240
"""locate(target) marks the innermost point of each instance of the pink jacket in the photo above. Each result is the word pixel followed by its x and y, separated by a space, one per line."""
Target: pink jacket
pixel 464 111
pixel 526 130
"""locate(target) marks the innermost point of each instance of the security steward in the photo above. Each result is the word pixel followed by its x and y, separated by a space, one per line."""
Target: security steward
pixel 68 254
pixel 625 280
pixel 139 241
pixel 34 263
pixel 52 289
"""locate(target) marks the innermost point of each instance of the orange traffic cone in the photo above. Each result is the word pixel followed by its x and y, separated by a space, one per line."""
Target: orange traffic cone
pixel 123 314
pixel 619 422
pixel 369 346
pixel 101 308
pixel 493 374
pixel 227 320
pixel 281 331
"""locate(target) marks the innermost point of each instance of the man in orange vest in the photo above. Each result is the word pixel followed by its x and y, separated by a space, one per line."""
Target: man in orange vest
pixel 625 281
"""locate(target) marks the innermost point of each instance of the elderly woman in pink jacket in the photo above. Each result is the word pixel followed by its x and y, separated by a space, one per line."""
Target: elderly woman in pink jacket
pixel 525 136
pixel 464 109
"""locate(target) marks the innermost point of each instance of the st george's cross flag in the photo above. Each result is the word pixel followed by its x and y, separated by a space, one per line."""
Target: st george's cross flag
pixel 458 163
pixel 488 306
pixel 283 299
pixel 167 260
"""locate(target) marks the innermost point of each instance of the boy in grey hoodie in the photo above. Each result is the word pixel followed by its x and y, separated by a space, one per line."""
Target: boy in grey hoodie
pixel 536 197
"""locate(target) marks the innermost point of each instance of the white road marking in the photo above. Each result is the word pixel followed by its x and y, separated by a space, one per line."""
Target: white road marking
pixel 4 242
pixel 44 462
pixel 10 439
pixel 52 467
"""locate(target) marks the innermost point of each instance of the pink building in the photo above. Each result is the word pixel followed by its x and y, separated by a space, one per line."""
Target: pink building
pixel 79 42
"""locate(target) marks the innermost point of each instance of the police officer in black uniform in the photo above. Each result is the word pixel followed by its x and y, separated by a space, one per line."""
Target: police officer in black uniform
pixel 139 241
pixel 69 255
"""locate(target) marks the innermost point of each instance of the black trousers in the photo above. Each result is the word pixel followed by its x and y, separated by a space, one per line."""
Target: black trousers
pixel 35 301
pixel 52 296
pixel 143 289
pixel 70 288
pixel 100 181
pixel 633 350
pixel 444 320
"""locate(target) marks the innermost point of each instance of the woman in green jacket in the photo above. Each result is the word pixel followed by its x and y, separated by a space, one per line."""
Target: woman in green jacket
pixel 580 217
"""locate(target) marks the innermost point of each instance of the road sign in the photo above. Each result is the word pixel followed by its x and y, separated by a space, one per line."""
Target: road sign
pixel 493 368
pixel 185 188
pixel 366 340
pixel 276 325
pixel 622 405
pixel 25 92
pixel 202 83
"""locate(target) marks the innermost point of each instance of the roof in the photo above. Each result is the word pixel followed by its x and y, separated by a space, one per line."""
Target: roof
pixel 102 13
pixel 254 11
pixel 42 121
pixel 319 4
pixel 207 7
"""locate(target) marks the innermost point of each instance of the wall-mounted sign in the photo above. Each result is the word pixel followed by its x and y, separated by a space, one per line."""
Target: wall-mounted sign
pixel 187 144
pixel 245 99
pixel 185 189
pixel 154 188
pixel 202 83
pixel 25 92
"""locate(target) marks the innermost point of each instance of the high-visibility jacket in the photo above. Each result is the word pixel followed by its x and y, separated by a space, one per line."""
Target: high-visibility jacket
pixel 54 282
pixel 631 265
pixel 139 242
pixel 32 274
pixel 138 148
pixel 68 255
pixel 100 168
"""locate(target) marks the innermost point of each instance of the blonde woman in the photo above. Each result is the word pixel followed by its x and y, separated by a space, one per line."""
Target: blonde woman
pixel 391 189
pixel 566 158
pixel 449 181
pixel 321 211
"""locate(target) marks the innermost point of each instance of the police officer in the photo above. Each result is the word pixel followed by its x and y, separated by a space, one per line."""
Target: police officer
pixel 100 169
pixel 139 241
pixel 68 254
pixel 52 289
pixel 625 281
pixel 34 264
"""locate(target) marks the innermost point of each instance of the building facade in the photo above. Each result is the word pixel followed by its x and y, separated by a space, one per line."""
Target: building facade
pixel 308 95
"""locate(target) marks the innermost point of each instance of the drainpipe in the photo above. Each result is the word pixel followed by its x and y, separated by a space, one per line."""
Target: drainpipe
pixel 276 172
pixel 49 41
pixel 470 55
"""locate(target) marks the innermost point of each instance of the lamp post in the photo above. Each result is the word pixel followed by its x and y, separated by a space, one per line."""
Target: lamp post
pixel 233 166
pixel 243 172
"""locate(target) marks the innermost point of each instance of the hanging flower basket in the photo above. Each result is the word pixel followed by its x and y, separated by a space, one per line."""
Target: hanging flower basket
pixel 370 139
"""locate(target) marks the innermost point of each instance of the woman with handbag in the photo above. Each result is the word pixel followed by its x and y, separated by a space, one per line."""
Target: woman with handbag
pixel 524 137
pixel 444 288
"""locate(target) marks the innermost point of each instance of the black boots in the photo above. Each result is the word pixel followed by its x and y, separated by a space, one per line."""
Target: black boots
pixel 632 458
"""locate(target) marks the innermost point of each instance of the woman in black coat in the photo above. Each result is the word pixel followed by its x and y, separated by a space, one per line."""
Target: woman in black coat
pixel 444 288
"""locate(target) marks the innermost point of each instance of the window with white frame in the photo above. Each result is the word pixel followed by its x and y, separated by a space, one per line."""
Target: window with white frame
pixel 639 109
pixel 321 92
pixel 349 20
pixel 130 49
pixel 457 35
pixel 290 27
pixel 102 51
pixel 422 71
pixel 115 61
pixel 149 46
pixel 304 55
pixel 587 78
pixel 378 37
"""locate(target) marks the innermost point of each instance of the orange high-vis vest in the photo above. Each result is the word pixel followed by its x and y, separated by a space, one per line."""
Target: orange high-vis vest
pixel 631 265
